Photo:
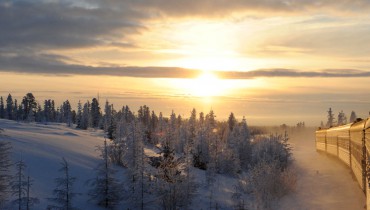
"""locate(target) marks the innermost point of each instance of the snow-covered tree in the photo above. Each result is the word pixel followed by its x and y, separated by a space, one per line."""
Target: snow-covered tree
pixel 2 108
pixel 9 107
pixel 353 117
pixel 29 106
pixel 19 184
pixel 95 113
pixel 30 201
pixel 171 188
pixel 136 160
pixel 5 165
pixel 108 115
pixel 331 119
pixel 244 147
pixel 86 116
pixel 66 110
pixel 342 118
pixel 105 190
pixel 21 187
pixel 231 121
pixel 64 193
pixel 79 115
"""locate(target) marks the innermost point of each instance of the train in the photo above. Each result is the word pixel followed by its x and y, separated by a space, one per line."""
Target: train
pixel 350 143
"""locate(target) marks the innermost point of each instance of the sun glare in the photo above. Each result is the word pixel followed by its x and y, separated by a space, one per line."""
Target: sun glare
pixel 206 85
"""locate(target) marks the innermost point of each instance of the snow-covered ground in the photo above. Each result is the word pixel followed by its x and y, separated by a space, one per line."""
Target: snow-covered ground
pixel 324 182
pixel 42 148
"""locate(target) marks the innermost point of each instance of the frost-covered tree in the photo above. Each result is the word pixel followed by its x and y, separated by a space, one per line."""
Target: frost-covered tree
pixel 2 108
pixel 21 188
pixel 5 165
pixel 30 201
pixel 19 184
pixel 353 117
pixel 67 116
pixel 86 116
pixel 244 146
pixel 171 188
pixel 272 149
pixel 95 113
pixel 9 107
pixel 342 118
pixel 108 115
pixel 105 190
pixel 331 118
pixel 231 121
pixel 63 192
pixel 79 115
pixel 136 160
pixel 29 107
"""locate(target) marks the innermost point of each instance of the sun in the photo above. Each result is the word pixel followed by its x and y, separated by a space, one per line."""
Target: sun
pixel 206 85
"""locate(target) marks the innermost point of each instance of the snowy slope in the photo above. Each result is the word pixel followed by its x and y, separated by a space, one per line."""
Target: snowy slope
pixel 42 148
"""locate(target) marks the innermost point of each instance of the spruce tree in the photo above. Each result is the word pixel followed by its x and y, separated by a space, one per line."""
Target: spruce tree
pixel 2 108
pixel 331 119
pixel 21 187
pixel 5 165
pixel 95 113
pixel 9 107
pixel 105 190
pixel 63 192
pixel 353 117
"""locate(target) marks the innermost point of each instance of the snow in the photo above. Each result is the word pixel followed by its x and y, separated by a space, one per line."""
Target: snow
pixel 42 148
pixel 324 182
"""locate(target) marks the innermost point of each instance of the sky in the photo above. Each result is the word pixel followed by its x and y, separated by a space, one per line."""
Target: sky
pixel 274 62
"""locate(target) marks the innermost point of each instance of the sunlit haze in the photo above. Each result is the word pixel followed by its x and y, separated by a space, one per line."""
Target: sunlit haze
pixel 273 62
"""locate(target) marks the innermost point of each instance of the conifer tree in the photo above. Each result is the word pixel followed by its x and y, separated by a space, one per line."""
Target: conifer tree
pixel 353 117
pixel 342 119
pixel 331 118
pixel 29 107
pixel 5 164
pixel 21 187
pixel 63 192
pixel 9 107
pixel 2 108
pixel 95 113
pixel 105 190
pixel 172 186
pixel 136 163
pixel 19 184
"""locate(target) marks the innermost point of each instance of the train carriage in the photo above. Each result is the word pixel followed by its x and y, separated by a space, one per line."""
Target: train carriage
pixel 351 144
pixel 332 141
pixel 344 143
pixel 367 146
pixel 357 151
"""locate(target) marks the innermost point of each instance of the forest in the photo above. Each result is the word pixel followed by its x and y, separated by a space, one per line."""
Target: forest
pixel 130 177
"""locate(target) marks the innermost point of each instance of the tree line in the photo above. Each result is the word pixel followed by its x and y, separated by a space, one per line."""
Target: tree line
pixel 184 145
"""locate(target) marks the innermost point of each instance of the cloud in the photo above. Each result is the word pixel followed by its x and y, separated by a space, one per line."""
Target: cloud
pixel 207 8
pixel 293 73
pixel 54 25
pixel 50 64
pixel 55 65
